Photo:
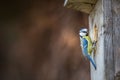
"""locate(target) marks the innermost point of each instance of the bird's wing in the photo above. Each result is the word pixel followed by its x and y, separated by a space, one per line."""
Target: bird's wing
pixel 85 51
pixel 84 46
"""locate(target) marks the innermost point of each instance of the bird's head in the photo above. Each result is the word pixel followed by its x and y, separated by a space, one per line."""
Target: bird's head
pixel 83 32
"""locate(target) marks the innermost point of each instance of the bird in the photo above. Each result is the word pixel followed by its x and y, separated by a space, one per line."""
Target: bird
pixel 86 45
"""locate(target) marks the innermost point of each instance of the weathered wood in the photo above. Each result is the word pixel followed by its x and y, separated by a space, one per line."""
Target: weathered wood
pixel 107 34
pixel 80 5
pixel 108 40
pixel 83 1
pixel 116 36
pixel 96 20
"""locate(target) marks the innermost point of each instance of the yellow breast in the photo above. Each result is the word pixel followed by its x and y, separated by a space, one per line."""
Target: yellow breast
pixel 89 44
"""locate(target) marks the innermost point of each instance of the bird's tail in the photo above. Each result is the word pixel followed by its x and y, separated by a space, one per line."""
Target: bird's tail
pixel 92 61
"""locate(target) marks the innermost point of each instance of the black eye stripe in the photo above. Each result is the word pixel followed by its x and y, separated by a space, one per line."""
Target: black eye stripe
pixel 84 31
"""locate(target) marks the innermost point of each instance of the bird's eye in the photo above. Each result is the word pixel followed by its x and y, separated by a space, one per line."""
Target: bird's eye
pixel 84 31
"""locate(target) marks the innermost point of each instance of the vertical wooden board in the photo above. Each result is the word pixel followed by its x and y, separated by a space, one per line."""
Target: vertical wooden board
pixel 116 36
pixel 96 19
pixel 108 40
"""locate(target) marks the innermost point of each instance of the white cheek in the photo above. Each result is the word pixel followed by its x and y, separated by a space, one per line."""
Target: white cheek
pixel 82 34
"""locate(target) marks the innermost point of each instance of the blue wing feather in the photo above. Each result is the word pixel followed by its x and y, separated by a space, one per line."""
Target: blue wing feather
pixel 84 46
pixel 92 61
pixel 85 52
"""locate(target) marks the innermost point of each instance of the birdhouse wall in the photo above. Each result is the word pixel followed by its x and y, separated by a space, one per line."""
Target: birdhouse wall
pixel 96 22
pixel 106 17
pixel 116 37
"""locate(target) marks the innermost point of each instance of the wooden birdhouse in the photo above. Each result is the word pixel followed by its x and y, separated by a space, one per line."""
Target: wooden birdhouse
pixel 104 27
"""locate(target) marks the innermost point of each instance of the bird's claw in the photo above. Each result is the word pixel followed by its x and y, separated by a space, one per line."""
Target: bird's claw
pixel 94 44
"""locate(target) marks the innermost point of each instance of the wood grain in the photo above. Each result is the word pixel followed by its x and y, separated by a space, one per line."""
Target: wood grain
pixel 116 36
pixel 81 5
pixel 108 40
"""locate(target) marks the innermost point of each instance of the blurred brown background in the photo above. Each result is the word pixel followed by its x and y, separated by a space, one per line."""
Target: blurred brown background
pixel 39 41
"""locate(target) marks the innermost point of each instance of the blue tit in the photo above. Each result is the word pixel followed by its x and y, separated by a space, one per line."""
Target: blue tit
pixel 86 45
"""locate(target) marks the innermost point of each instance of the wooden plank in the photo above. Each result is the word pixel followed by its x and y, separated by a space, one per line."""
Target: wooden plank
pixel 84 1
pixel 80 5
pixel 108 40
pixel 96 20
pixel 116 36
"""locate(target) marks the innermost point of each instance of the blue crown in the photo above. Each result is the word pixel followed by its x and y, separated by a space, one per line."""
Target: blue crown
pixel 84 30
